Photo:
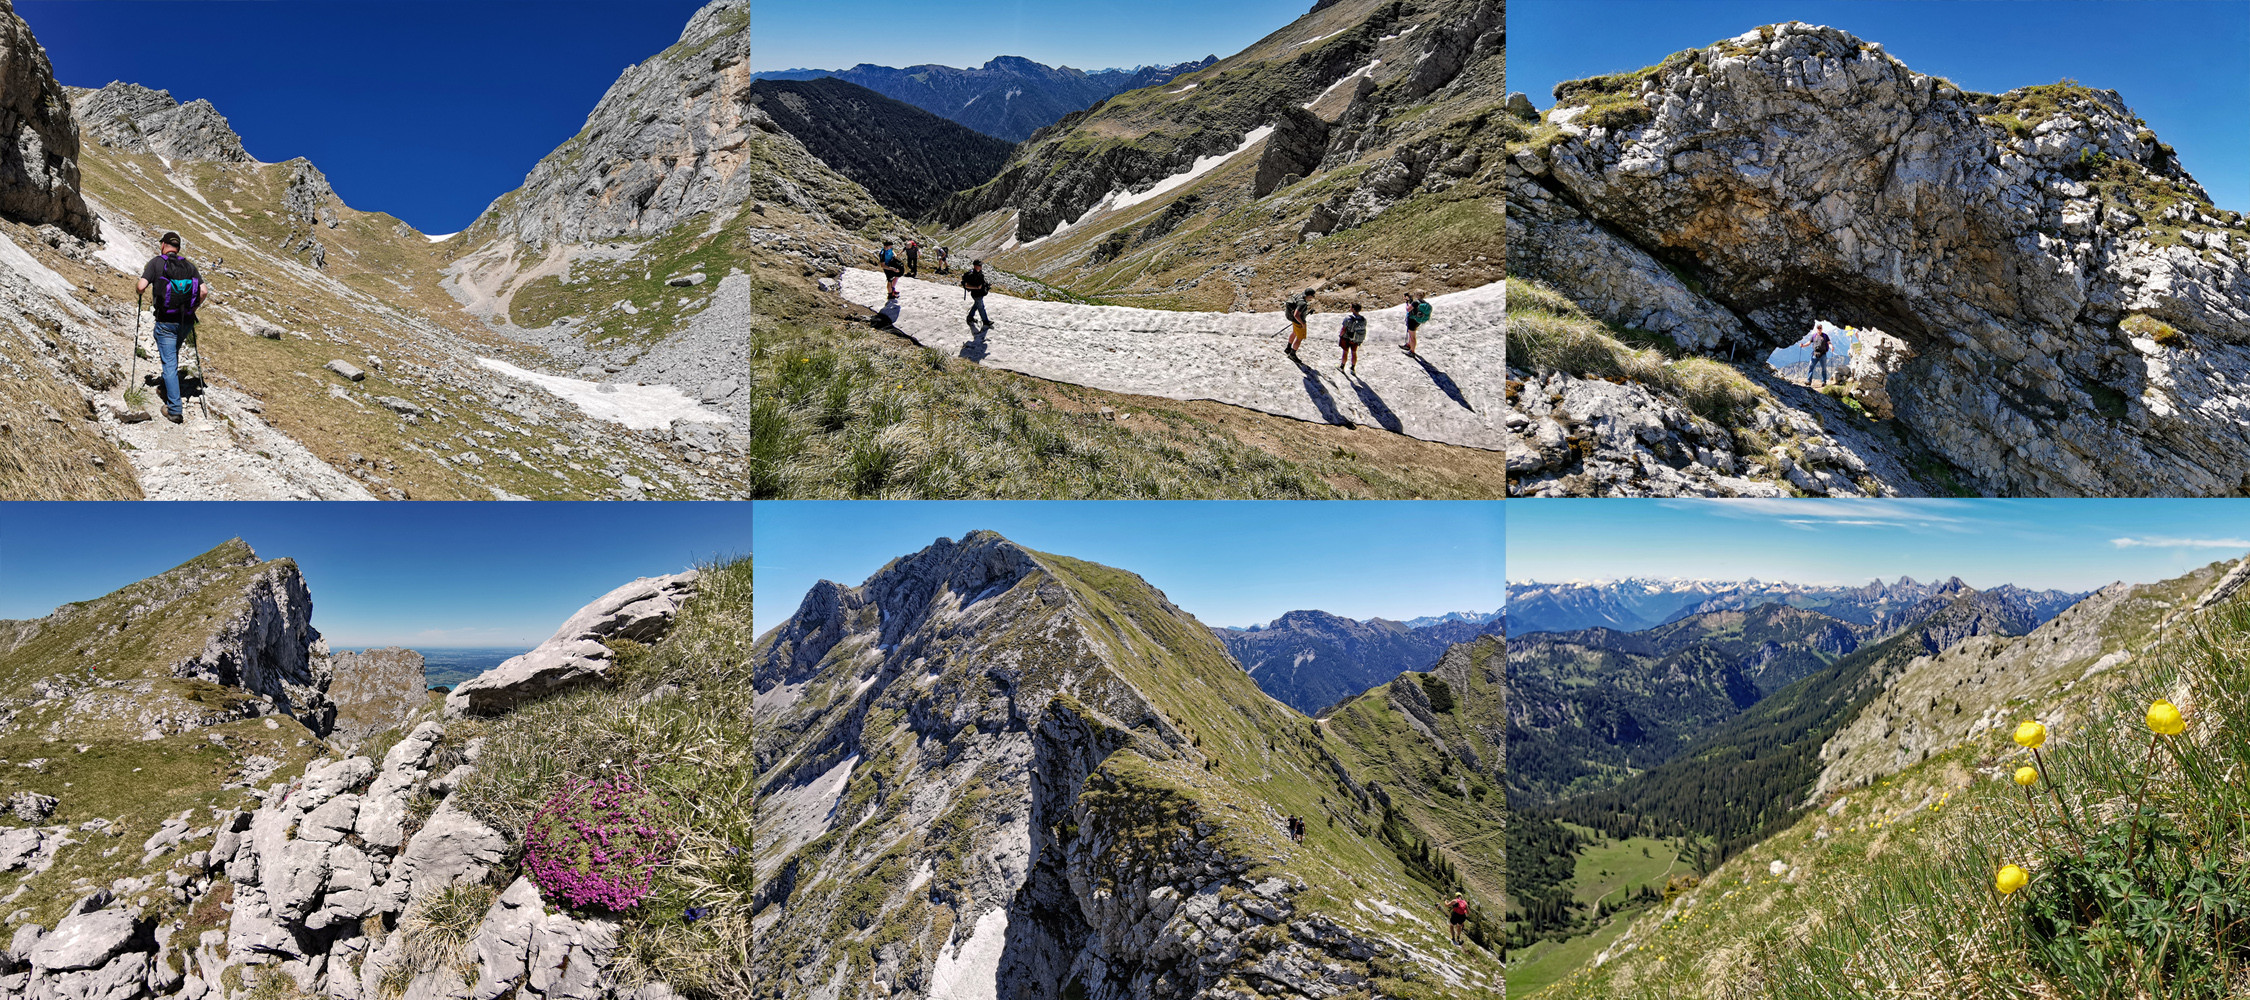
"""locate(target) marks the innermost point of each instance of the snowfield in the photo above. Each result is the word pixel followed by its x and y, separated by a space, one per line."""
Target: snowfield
pixel 1450 395
pixel 640 407
pixel 1120 198
pixel 971 969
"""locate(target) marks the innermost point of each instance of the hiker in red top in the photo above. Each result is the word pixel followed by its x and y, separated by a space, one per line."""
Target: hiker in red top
pixel 1458 911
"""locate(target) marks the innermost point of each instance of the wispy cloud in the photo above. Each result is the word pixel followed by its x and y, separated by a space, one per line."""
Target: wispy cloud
pixel 1812 515
pixel 2181 543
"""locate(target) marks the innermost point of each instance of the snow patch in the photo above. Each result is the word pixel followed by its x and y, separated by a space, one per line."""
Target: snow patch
pixel 1185 89
pixel 1122 199
pixel 116 253
pixel 441 239
pixel 1402 34
pixel 37 273
pixel 1353 75
pixel 971 970
pixel 1323 38
pixel 640 407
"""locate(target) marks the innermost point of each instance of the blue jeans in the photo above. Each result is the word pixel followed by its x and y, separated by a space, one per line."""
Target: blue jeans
pixel 977 310
pixel 168 336
pixel 1819 364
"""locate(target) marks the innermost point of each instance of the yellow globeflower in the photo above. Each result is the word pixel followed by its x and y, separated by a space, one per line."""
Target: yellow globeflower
pixel 2031 734
pixel 2165 719
pixel 2026 775
pixel 2010 879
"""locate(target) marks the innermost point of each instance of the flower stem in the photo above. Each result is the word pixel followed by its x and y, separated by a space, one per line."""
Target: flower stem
pixel 2069 820
pixel 2132 840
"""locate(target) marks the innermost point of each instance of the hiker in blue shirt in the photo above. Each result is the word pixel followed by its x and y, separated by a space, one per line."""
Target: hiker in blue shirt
pixel 892 269
pixel 179 289
pixel 1819 341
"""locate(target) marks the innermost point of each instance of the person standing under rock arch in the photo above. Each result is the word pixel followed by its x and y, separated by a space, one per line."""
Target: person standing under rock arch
pixel 1820 341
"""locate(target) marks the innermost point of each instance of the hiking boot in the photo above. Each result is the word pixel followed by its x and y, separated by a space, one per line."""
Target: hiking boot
pixel 171 416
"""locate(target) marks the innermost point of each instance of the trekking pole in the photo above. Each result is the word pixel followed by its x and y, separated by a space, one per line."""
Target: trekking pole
pixel 134 379
pixel 202 371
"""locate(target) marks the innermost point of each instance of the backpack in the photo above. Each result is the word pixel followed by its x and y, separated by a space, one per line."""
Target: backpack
pixel 177 296
pixel 1355 330
pixel 1820 342
pixel 975 281
pixel 1422 312
pixel 1460 907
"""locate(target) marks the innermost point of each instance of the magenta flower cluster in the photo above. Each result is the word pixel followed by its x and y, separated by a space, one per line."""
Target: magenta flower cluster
pixel 596 844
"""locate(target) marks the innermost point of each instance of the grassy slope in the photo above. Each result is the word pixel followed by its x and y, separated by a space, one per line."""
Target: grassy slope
pixel 1891 833
pixel 1608 871
pixel 379 296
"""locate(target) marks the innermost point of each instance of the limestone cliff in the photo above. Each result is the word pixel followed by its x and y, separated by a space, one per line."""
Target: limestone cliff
pixel 2063 308
pixel 39 157
pixel 1019 774
pixel 135 119
pixel 375 690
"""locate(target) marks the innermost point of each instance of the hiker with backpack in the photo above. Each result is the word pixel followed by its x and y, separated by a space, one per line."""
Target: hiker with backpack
pixel 1353 334
pixel 1417 313
pixel 914 258
pixel 1820 341
pixel 178 289
pixel 1297 308
pixel 892 269
pixel 1457 913
pixel 976 284
pixel 944 256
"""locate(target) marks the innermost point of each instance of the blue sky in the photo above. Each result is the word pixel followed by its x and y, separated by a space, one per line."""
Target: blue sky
pixel 2066 544
pixel 426 109
pixel 1082 34
pixel 2178 63
pixel 411 574
pixel 1226 562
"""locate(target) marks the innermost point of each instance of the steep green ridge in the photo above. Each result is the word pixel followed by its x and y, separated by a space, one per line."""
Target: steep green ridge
pixel 906 157
pixel 1408 87
pixel 983 733
pixel 1437 743
pixel 1596 706
pixel 110 659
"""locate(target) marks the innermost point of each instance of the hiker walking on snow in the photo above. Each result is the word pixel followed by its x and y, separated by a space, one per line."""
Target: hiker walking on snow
pixel 1298 308
pixel 892 269
pixel 914 258
pixel 1457 914
pixel 178 290
pixel 1353 334
pixel 1417 313
pixel 976 284
pixel 1819 342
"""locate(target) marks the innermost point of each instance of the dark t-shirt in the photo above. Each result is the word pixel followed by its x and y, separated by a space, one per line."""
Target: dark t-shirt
pixel 976 283
pixel 156 273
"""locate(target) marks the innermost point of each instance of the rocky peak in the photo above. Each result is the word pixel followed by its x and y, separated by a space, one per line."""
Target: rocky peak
pixel 135 119
pixel 2025 250
pixel 667 141
pixel 38 137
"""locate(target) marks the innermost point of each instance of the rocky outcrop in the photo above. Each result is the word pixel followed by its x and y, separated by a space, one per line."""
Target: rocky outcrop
pixel 135 119
pixel 1298 144
pixel 38 137
pixel 2072 307
pixel 375 690
pixel 667 141
pixel 579 652
pixel 268 648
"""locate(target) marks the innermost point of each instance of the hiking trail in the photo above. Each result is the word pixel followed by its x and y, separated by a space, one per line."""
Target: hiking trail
pixel 1448 395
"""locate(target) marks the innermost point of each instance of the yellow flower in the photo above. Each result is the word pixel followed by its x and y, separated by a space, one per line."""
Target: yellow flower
pixel 2026 775
pixel 2165 719
pixel 2010 879
pixel 2031 734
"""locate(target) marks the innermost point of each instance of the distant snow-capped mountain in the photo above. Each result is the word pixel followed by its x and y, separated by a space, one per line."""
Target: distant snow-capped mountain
pixel 1634 604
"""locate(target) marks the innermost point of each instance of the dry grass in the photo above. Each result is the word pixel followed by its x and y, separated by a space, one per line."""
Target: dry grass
pixel 1547 332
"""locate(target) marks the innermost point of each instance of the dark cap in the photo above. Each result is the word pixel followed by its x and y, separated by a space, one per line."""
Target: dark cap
pixel 170 240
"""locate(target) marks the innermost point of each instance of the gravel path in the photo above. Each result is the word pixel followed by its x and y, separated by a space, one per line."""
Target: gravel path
pixel 1449 395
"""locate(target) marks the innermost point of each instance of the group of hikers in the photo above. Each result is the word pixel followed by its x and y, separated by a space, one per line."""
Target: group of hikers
pixel 1298 309
pixel 906 262
pixel 1456 910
